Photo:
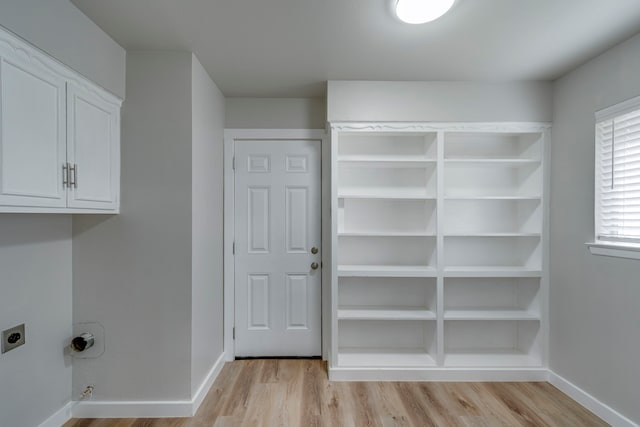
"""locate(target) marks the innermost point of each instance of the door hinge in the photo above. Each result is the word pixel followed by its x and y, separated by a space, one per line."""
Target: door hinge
pixel 233 163
pixel 234 333
pixel 234 248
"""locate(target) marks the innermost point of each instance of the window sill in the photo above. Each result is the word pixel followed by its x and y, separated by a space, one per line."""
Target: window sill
pixel 618 250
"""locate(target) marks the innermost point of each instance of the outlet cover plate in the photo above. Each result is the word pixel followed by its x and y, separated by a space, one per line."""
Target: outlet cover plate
pixel 13 338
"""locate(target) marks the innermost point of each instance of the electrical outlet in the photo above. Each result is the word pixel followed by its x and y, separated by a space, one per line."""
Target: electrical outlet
pixel 12 338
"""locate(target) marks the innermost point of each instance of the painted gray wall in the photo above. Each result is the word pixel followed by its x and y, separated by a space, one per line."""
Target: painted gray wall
pixel 207 287
pixel 595 320
pixel 61 30
pixel 132 272
pixel 35 250
pixel 438 101
pixel 276 113
pixel 35 287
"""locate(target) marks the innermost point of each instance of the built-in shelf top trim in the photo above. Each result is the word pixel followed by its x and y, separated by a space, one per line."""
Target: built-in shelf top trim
pixel 498 127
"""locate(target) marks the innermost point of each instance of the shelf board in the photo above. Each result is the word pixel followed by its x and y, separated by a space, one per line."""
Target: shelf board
pixel 385 161
pixel 504 162
pixel 387 234
pixel 473 234
pixel 398 193
pixel 490 271
pixel 490 315
pixel 499 358
pixel 386 271
pixel 492 198
pixel 382 357
pixel 385 313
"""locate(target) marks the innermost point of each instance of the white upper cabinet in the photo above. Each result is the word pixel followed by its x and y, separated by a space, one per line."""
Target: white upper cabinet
pixel 59 136
pixel 32 143
pixel 93 150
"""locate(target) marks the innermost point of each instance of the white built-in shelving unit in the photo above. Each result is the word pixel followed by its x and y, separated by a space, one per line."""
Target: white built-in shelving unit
pixel 438 254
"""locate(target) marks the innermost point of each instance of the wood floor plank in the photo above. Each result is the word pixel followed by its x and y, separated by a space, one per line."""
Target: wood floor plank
pixel 438 405
pixel 219 393
pixel 491 408
pixel 555 406
pixel 292 373
pixel 337 403
pixel 527 416
pixel 364 407
pixel 314 377
pixel 413 403
pixel 242 388
pixel 297 393
pixel 389 404
pixel 480 421
pixel 225 422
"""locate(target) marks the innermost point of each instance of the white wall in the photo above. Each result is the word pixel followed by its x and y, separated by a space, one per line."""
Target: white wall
pixel 35 250
pixel 595 315
pixel 275 113
pixel 438 101
pixel 61 30
pixel 132 272
pixel 207 286
pixel 35 289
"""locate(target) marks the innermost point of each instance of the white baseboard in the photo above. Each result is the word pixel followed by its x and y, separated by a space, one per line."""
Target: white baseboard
pixel 150 409
pixel 207 383
pixel 599 408
pixel 125 409
pixel 60 417
pixel 188 408
pixel 449 375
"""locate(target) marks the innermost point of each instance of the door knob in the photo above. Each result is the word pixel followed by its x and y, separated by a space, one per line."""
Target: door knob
pixel 314 265
pixel 314 250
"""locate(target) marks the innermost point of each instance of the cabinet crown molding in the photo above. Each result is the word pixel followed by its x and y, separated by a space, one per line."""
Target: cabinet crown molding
pixel 34 55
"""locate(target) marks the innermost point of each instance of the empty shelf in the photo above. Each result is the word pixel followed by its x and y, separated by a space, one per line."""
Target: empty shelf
pixel 490 271
pixel 503 358
pixel 490 315
pixel 386 271
pixel 385 313
pixel 377 357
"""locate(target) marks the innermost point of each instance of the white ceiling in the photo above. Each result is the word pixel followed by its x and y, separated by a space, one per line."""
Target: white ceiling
pixel 290 48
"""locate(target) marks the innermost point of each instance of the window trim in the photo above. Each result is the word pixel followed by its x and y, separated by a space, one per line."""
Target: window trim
pixel 611 248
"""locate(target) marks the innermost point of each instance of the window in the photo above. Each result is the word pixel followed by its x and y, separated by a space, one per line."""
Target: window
pixel 617 185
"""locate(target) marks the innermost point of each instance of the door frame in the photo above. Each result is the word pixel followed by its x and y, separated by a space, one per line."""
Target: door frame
pixel 230 137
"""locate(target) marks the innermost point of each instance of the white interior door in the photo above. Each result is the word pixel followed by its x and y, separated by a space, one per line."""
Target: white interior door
pixel 277 248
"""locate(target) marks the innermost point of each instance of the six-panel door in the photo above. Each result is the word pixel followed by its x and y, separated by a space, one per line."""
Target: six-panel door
pixel 278 279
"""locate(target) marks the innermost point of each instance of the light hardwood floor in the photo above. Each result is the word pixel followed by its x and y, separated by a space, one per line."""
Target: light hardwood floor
pixel 298 393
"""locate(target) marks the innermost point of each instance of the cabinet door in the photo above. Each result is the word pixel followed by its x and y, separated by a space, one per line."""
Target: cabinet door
pixel 32 133
pixel 93 150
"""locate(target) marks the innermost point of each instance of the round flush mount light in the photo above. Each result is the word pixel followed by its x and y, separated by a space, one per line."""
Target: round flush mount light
pixel 421 11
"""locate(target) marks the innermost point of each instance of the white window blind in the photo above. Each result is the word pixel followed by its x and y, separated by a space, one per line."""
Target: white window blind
pixel 617 211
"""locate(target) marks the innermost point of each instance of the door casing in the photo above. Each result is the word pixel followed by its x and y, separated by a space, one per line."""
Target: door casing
pixel 230 137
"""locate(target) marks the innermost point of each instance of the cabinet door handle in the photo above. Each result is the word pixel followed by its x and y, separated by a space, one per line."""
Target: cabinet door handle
pixel 74 178
pixel 65 175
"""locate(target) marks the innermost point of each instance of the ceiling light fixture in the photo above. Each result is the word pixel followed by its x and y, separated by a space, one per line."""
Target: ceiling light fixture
pixel 421 11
